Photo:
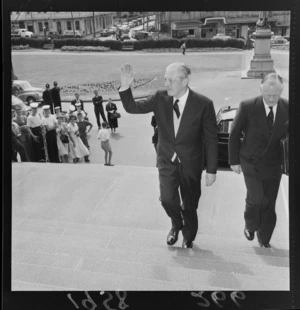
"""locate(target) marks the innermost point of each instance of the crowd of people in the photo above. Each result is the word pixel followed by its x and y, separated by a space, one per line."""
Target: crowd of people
pixel 58 136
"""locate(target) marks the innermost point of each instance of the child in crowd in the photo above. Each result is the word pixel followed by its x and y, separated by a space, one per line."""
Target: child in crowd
pixel 82 126
pixel 103 134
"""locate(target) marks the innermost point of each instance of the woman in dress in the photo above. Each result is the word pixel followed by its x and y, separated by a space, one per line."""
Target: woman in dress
pixel 77 148
pixel 26 135
pixel 110 109
pixel 63 147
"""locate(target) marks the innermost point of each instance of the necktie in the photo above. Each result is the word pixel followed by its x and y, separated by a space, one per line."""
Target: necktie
pixel 270 118
pixel 176 108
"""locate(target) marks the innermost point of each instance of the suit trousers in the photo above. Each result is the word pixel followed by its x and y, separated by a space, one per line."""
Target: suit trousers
pixel 38 147
pixel 173 178
pixel 99 112
pixel 260 215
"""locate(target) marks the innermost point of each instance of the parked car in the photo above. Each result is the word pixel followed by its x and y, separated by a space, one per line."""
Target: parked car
pixel 112 30
pixel 221 36
pixel 71 33
pixel 54 35
pixel 278 40
pixel 27 93
pixel 141 35
pixel 22 32
pixel 225 117
pixel 105 33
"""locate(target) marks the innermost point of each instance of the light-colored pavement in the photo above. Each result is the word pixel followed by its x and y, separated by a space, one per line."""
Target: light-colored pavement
pixel 102 228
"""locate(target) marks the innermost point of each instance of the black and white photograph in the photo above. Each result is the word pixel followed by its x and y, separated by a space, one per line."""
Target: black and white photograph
pixel 150 153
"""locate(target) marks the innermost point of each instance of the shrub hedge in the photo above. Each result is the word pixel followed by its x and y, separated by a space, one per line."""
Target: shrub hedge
pixel 138 45
pixel 35 43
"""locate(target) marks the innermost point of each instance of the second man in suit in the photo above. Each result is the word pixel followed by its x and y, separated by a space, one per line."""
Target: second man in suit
pixel 186 122
pixel 263 120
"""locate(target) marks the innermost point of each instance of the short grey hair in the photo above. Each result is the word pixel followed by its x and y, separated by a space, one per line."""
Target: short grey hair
pixel 182 69
pixel 272 77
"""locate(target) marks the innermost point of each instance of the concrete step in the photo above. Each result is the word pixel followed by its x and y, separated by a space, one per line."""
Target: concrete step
pixel 94 228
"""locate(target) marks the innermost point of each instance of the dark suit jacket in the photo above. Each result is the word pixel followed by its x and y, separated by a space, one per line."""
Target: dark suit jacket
pixel 47 97
pixel 98 102
pixel 198 123
pixel 74 101
pixel 259 153
pixel 55 92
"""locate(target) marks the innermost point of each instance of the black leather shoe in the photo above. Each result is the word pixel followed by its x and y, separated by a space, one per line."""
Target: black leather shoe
pixel 186 244
pixel 172 236
pixel 249 234
pixel 267 245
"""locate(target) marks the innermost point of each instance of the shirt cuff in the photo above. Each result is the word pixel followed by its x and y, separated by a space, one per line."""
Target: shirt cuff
pixel 123 88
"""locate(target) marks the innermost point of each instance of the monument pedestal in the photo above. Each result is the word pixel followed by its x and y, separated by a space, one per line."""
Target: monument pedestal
pixel 262 63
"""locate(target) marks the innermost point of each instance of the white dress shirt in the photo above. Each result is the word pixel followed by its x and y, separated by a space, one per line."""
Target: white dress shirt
pixel 181 104
pixel 268 109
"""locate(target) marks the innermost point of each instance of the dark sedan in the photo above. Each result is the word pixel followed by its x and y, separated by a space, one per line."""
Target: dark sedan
pixel 225 118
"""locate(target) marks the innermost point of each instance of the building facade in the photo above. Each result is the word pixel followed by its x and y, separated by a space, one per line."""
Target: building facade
pixel 42 23
pixel 205 24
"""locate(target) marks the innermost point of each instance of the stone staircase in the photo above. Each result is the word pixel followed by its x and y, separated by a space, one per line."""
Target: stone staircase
pixel 91 227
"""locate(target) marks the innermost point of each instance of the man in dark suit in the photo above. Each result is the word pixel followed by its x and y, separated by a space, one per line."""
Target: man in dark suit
pixel 263 120
pixel 77 100
pixel 55 91
pixel 47 98
pixel 186 121
pixel 98 108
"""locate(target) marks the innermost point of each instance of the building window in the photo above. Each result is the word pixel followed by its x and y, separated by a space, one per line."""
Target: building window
pixel 69 26
pixel 77 25
pixel 40 27
pixel 21 25
pixel 46 24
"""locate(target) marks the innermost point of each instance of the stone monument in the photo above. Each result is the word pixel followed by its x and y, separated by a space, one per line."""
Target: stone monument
pixel 261 63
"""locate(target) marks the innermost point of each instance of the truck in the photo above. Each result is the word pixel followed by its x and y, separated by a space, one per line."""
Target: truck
pixel 22 32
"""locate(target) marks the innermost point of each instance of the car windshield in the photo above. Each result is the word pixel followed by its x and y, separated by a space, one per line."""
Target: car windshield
pixel 25 85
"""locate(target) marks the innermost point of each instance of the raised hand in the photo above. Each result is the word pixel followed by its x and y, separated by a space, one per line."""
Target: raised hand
pixel 126 76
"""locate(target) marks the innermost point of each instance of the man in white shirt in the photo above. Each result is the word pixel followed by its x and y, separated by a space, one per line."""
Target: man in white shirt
pixel 50 123
pixel 34 122
pixel 264 121
pixel 186 121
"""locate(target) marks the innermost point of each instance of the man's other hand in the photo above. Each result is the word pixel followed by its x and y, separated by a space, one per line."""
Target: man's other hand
pixel 236 168
pixel 210 179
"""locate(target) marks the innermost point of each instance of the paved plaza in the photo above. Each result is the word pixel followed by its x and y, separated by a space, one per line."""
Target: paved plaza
pixel 92 227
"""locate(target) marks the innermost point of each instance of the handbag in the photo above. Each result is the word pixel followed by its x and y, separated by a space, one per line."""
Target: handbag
pixel 115 115
pixel 284 147
pixel 64 138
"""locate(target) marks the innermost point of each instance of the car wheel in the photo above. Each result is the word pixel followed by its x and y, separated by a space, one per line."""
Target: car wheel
pixel 30 99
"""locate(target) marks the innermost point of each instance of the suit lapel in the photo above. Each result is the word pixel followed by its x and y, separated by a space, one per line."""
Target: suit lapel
pixel 262 117
pixel 187 115
pixel 279 120
pixel 169 116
